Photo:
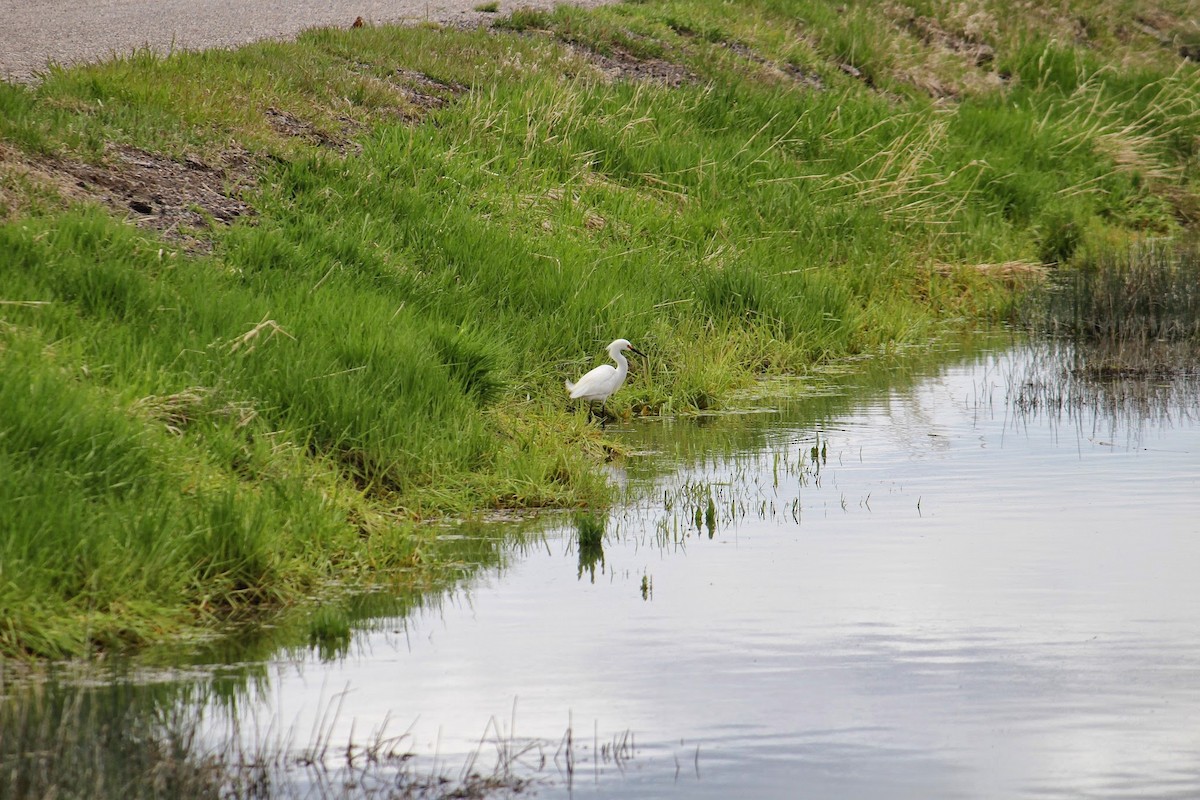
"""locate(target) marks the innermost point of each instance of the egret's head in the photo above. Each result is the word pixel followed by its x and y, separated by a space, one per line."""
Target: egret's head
pixel 622 345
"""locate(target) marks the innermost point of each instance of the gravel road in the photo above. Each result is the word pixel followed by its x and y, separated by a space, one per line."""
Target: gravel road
pixel 34 33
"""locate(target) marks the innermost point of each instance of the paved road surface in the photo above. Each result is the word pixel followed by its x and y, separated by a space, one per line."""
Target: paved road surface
pixel 34 33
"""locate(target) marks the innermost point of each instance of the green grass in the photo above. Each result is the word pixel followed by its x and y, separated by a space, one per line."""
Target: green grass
pixel 211 422
pixel 589 529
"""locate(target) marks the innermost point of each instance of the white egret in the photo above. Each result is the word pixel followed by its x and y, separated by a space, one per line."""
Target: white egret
pixel 600 383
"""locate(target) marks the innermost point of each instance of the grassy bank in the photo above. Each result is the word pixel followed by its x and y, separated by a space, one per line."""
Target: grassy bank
pixel 262 311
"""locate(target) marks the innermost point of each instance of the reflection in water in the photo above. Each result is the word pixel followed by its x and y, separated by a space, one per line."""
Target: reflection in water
pixel 1062 381
pixel 63 741
pixel 916 582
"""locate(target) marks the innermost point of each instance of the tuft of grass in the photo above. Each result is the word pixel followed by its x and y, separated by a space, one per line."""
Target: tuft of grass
pixel 329 632
pixel 589 529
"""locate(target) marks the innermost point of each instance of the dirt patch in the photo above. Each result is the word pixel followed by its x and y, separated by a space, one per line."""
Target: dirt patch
pixel 172 197
pixel 958 60
pixel 421 93
pixel 621 65
pixel 1170 32
pixel 426 89
pixel 178 199
pixel 24 186
pixel 786 71
pixel 1156 24
pixel 783 72
pixel 615 62
pixel 974 51
pixel 289 124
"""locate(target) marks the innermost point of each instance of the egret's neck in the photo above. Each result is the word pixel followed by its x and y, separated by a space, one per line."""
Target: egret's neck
pixel 622 363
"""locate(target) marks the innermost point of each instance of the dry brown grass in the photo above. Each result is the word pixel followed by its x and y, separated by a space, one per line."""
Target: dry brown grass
pixel 178 410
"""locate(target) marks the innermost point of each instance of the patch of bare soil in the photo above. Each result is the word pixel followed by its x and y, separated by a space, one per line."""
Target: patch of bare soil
pixel 423 92
pixel 960 40
pixel 420 93
pixel 175 198
pixel 23 185
pixel 618 64
pixel 1156 25
pixel 621 65
pixel 427 91
pixel 1170 32
pixel 289 124
pixel 789 71
pixel 974 51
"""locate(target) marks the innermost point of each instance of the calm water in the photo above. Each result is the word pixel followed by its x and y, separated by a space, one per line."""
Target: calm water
pixel 933 579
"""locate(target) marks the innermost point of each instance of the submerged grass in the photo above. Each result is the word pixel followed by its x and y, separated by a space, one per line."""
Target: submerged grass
pixel 361 263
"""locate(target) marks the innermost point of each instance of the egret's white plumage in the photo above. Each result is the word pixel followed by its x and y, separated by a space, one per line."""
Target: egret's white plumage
pixel 600 383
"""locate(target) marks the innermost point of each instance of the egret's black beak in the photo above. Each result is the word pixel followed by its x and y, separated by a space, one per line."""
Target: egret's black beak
pixel 633 349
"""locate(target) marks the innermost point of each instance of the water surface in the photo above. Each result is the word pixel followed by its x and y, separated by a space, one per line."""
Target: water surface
pixel 925 580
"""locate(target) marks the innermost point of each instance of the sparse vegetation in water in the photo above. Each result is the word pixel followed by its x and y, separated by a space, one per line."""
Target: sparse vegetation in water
pixel 1149 291
pixel 267 310
pixel 1104 388
pixel 819 453
pixel 1130 313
